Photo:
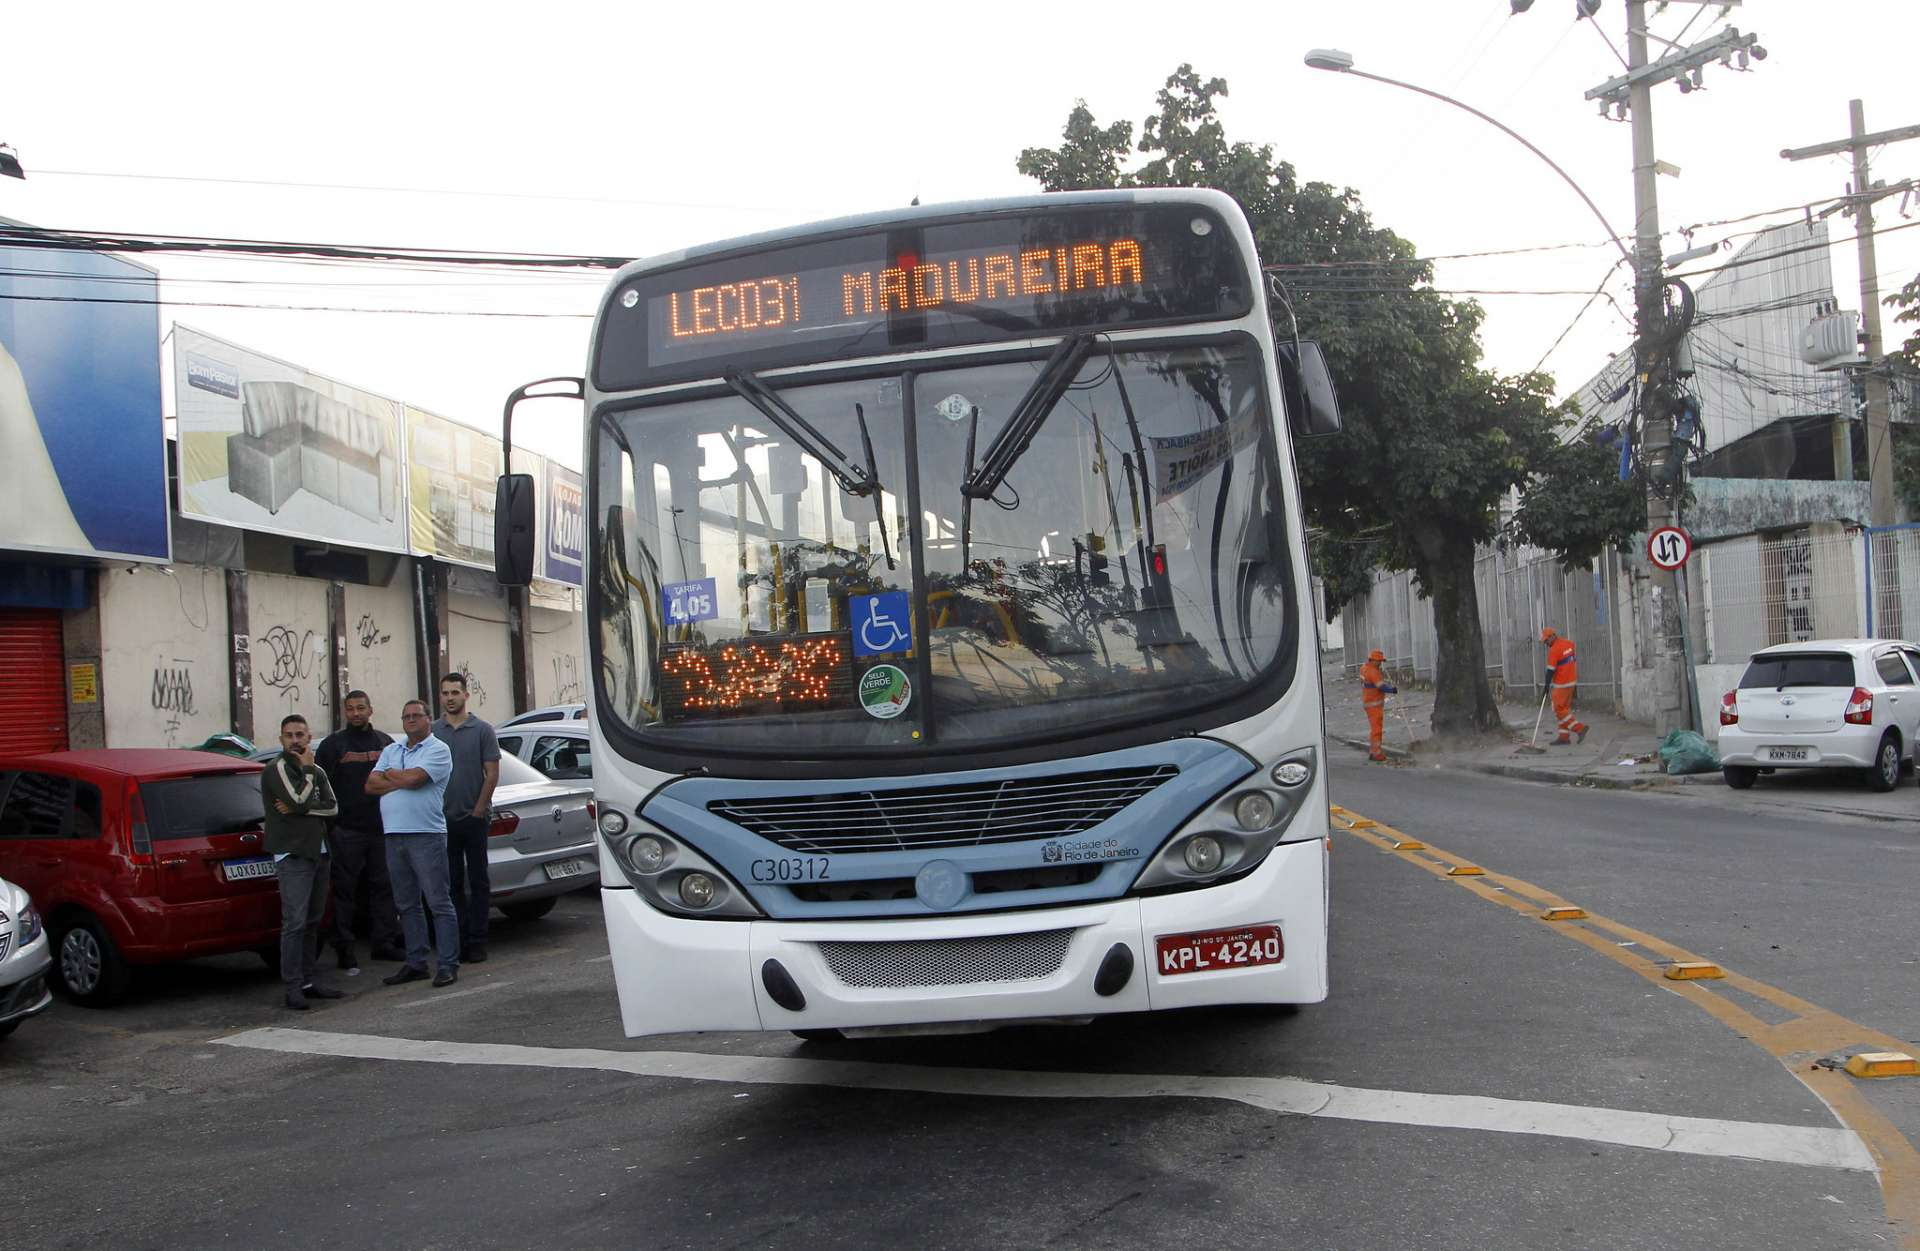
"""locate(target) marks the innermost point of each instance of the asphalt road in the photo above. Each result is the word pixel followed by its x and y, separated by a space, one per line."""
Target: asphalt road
pixel 522 1117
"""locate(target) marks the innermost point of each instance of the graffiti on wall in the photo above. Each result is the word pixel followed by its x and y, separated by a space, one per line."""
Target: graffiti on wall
pixel 476 693
pixel 292 657
pixel 566 680
pixel 369 632
pixel 172 695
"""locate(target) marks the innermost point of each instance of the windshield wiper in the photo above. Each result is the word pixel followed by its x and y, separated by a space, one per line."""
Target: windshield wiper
pixel 853 479
pixel 873 476
pixel 1028 416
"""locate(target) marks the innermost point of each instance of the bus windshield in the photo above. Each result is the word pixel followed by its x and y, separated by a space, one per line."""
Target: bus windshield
pixel 1130 565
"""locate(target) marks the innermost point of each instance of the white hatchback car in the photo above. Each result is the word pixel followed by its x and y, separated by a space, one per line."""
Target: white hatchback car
pixel 1824 704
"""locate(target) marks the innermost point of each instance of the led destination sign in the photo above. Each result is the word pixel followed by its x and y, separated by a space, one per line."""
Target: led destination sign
pixel 946 283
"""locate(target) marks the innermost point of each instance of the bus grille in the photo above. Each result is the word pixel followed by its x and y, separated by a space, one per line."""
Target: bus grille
pixel 971 814
pixel 948 961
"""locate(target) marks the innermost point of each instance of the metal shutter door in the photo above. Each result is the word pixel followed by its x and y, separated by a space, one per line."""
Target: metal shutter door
pixel 33 684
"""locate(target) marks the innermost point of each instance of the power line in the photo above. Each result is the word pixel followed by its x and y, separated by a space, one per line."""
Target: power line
pixel 293 308
pixel 395 190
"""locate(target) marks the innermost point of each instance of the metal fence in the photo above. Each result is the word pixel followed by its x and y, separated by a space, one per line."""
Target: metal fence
pixel 1892 569
pixel 1758 592
pixel 1520 591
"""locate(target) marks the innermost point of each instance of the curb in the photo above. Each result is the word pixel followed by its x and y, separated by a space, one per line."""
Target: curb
pixel 1553 777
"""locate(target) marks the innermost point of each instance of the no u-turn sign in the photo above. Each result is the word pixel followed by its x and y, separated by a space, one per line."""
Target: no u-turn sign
pixel 1668 547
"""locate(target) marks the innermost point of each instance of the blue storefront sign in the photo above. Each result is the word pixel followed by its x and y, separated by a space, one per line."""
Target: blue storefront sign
pixel 566 524
pixel 82 444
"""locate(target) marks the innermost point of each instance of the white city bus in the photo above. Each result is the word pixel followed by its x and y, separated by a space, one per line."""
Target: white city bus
pixel 949 619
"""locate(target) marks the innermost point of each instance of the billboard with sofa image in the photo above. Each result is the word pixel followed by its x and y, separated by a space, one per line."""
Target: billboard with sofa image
pixel 452 470
pixel 267 445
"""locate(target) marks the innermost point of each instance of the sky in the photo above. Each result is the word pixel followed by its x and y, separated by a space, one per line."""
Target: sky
pixel 573 128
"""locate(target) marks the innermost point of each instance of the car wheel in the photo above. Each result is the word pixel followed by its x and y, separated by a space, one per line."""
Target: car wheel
pixel 532 910
pixel 1739 777
pixel 1885 774
pixel 8 1028
pixel 91 969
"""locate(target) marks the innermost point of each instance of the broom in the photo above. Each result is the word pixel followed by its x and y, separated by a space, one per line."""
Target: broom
pixel 1530 749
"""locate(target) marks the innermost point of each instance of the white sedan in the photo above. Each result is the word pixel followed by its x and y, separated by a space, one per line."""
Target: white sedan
pixel 1824 704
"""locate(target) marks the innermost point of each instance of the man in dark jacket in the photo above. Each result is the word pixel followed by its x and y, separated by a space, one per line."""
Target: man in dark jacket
pixel 298 802
pixel 359 850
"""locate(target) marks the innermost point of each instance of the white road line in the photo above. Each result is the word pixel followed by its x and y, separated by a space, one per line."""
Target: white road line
pixel 450 995
pixel 1814 1146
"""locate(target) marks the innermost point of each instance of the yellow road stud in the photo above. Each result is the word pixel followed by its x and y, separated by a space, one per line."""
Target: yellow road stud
pixel 1466 870
pixel 1409 844
pixel 1563 914
pixel 1360 823
pixel 1693 970
pixel 1883 1064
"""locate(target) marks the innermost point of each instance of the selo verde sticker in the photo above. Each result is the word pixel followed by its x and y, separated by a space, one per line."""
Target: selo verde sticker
pixel 885 691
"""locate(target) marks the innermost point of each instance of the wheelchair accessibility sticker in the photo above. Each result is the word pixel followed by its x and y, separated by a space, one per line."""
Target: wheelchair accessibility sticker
pixel 882 623
pixel 885 691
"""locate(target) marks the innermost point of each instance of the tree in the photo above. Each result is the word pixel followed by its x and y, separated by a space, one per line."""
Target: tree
pixel 1907 300
pixel 1433 441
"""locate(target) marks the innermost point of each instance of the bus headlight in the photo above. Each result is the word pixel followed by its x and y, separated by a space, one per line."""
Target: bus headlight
pixel 647 854
pixel 698 891
pixel 1254 810
pixel 1203 854
pixel 675 878
pixel 1237 830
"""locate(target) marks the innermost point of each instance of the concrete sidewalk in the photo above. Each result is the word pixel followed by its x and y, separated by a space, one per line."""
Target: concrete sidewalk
pixel 1616 753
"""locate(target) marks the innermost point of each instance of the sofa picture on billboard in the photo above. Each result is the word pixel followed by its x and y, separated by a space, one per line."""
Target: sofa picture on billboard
pixel 293 438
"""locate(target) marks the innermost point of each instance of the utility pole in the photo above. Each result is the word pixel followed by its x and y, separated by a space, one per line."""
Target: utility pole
pixel 1671 711
pixel 1676 705
pixel 1861 196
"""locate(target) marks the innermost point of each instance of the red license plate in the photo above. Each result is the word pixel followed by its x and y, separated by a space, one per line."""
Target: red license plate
pixel 1220 949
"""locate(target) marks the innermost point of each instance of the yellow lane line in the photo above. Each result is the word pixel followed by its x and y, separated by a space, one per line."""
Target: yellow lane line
pixel 1810 1033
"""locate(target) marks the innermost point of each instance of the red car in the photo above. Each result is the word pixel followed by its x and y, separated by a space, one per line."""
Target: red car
pixel 138 856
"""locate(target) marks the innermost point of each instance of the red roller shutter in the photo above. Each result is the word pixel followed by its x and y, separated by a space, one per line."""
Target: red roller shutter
pixel 33 682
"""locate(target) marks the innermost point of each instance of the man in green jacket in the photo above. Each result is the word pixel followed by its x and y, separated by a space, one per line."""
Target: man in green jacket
pixel 299 802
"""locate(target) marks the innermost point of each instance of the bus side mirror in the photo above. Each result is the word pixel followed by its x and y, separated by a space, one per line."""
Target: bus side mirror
pixel 513 529
pixel 1312 404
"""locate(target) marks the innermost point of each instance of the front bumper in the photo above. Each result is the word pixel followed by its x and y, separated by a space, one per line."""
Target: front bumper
pixel 1853 748
pixel 24 987
pixel 678 974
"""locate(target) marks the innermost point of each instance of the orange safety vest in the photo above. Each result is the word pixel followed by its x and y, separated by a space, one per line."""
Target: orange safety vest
pixel 1371 680
pixel 1561 669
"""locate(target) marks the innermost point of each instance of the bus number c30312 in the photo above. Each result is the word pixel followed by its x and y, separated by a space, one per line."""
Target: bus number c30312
pixel 792 869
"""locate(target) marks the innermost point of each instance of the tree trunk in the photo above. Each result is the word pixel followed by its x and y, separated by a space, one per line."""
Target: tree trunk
pixel 1463 702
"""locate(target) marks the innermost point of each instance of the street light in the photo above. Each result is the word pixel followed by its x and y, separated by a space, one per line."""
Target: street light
pixel 1342 62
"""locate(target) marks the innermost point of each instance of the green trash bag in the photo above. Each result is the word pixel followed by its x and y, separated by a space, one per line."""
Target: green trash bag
pixel 1683 751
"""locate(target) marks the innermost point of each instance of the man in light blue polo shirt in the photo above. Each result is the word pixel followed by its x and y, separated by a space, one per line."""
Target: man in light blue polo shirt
pixel 411 780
